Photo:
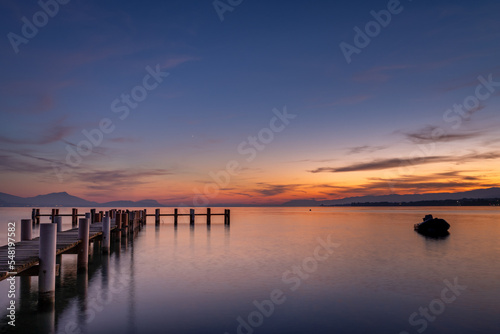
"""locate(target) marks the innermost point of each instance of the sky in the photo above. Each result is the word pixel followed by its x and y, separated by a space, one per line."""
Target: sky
pixel 205 102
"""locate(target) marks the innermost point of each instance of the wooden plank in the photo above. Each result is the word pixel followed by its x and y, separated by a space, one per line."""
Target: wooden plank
pixel 27 252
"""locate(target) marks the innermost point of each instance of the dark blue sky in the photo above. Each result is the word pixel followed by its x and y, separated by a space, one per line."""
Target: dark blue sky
pixel 383 122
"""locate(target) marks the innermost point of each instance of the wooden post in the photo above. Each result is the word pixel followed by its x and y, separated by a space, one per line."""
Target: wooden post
pixel 74 217
pixel 53 215
pixel 157 217
pixel 92 216
pixel 38 216
pixel 131 221
pixel 58 222
pixel 191 216
pixel 96 243
pixel 47 267
pixel 106 242
pixel 145 216
pixel 83 248
pixel 227 217
pixel 26 229
pixel 33 216
pixel 101 216
pixel 87 215
pixel 208 216
pixel 124 224
pixel 176 216
pixel 118 222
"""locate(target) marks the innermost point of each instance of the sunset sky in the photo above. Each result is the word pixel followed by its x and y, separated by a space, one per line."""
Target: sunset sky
pixel 194 102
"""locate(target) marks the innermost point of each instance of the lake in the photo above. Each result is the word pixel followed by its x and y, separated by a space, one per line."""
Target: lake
pixel 279 270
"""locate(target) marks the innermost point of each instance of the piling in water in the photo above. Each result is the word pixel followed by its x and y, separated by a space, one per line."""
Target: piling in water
pixel 83 248
pixel 26 229
pixel 106 242
pixel 191 216
pixel 58 222
pixel 47 267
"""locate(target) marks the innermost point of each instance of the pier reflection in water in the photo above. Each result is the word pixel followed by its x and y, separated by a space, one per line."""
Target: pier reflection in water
pixel 176 279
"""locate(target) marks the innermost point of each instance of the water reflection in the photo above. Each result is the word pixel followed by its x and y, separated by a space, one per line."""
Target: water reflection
pixel 434 236
pixel 46 318
pixel 131 328
pixel 175 279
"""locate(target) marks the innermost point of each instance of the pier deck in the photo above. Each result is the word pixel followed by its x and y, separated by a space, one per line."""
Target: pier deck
pixel 27 252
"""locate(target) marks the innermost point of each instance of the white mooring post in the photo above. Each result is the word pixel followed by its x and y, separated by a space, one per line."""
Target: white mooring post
pixel 58 222
pixel 106 240
pixel 83 248
pixel 47 267
pixel 26 229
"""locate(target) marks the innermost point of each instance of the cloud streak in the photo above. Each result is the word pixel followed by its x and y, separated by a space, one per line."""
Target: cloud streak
pixel 51 134
pixel 427 134
pixel 365 149
pixel 381 164
pixel 268 190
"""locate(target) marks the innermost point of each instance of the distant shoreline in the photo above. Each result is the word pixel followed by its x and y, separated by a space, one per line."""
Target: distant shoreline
pixel 449 202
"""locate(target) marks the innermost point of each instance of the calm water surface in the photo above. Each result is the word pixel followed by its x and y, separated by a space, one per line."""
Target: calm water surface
pixel 280 270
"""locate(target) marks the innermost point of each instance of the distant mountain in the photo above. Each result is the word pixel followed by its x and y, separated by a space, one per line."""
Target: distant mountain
pixel 67 200
pixel 58 199
pixel 6 198
pixel 478 193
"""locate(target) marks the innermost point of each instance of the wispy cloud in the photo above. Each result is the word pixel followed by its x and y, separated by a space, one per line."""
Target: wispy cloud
pixel 32 96
pixel 445 181
pixel 268 190
pixel 118 178
pixel 381 164
pixel 428 134
pixel 450 181
pixel 365 149
pixel 53 133
pixel 24 161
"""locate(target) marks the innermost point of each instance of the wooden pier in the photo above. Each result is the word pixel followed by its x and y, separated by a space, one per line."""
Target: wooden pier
pixel 26 252
pixel 37 257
